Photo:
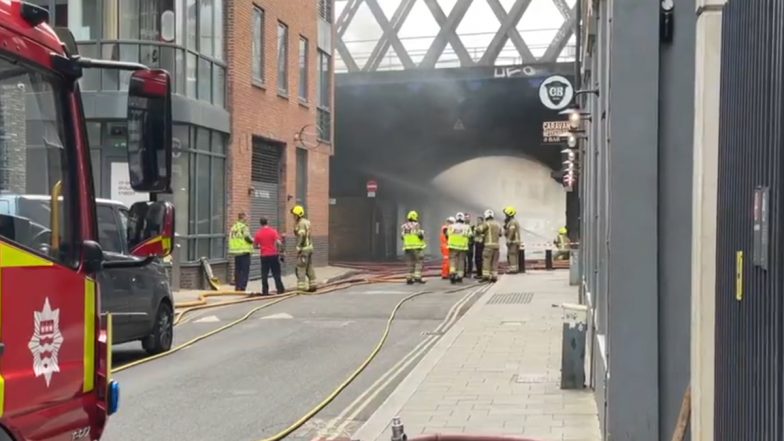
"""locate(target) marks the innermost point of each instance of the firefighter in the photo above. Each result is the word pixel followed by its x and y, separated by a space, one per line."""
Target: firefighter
pixel 306 276
pixel 562 242
pixel 241 247
pixel 513 241
pixel 445 248
pixel 491 243
pixel 414 247
pixel 479 245
pixel 469 260
pixel 457 240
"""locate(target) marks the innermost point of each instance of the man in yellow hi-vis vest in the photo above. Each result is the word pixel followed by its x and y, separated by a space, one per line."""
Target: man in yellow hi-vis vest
pixel 457 240
pixel 241 247
pixel 563 244
pixel 414 246
pixel 306 276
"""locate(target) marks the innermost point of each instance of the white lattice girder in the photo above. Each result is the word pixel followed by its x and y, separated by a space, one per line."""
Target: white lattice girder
pixel 447 34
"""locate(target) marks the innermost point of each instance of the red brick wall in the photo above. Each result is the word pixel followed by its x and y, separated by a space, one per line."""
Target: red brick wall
pixel 260 111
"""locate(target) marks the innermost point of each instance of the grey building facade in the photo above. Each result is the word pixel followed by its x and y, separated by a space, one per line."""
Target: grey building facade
pixel 636 210
pixel 185 37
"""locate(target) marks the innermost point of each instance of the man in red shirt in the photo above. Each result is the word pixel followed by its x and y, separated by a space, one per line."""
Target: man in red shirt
pixel 268 241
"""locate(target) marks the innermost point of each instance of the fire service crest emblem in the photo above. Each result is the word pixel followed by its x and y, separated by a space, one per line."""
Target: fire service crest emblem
pixel 46 342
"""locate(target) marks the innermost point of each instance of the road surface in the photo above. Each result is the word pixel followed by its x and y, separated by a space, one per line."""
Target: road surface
pixel 256 379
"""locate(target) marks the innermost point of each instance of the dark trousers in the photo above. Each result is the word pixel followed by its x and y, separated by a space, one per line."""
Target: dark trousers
pixel 469 260
pixel 479 249
pixel 241 271
pixel 271 263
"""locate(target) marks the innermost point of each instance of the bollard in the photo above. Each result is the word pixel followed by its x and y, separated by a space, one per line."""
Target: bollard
pixel 548 259
pixel 521 259
pixel 573 346
pixel 398 432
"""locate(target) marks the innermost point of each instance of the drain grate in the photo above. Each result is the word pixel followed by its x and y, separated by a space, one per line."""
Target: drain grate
pixel 511 298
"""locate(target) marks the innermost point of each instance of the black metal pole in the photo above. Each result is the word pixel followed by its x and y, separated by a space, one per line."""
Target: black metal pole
pixel 521 258
pixel 548 259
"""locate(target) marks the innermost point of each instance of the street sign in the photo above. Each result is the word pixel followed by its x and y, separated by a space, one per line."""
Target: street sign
pixel 372 187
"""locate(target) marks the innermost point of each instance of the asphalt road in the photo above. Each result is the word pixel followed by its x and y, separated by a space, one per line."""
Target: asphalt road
pixel 254 380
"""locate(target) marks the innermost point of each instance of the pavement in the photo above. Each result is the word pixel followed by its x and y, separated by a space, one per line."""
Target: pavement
pixel 496 372
pixel 253 380
pixel 324 274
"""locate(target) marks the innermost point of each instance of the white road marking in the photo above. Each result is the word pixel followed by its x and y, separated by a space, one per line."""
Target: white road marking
pixel 208 319
pixel 279 316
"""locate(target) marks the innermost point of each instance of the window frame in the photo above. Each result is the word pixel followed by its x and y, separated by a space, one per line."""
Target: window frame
pixel 303 83
pixel 261 78
pixel 283 77
pixel 116 222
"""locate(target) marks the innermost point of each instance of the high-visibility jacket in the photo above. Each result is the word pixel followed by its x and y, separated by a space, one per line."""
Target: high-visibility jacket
pixel 444 241
pixel 238 239
pixel 512 232
pixel 413 236
pixel 302 231
pixel 457 236
pixel 478 233
pixel 562 242
pixel 491 234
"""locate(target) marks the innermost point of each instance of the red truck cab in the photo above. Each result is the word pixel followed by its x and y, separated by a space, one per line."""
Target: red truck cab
pixel 55 347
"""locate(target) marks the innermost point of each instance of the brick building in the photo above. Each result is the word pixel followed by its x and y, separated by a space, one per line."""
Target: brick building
pixel 280 99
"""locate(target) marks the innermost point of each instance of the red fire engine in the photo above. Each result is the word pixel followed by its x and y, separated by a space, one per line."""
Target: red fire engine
pixel 55 346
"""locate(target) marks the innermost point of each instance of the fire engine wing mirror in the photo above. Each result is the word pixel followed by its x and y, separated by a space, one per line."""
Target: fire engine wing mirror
pixel 149 131
pixel 151 229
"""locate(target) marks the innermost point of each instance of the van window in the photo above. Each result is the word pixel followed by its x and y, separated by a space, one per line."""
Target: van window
pixel 108 233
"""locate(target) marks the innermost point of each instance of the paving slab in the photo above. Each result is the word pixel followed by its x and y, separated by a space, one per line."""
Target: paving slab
pixel 496 372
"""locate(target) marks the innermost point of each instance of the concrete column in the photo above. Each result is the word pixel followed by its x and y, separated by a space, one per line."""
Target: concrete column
pixel 704 187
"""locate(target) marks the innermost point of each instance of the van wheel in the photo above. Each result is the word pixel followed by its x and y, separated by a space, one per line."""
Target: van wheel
pixel 162 334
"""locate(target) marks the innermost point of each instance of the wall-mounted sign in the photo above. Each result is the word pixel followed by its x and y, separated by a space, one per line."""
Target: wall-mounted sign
pixel 551 131
pixel 372 187
pixel 556 92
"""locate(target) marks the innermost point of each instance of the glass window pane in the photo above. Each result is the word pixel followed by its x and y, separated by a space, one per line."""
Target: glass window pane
pixel 108 233
pixel 303 69
pixel 218 29
pixel 218 85
pixel 203 247
pixel 203 139
pixel 190 24
pixel 205 79
pixel 205 27
pixel 149 18
pixel 150 55
pixel 218 195
pixel 283 58
pixel 91 78
pixel 95 161
pixel 179 23
pixel 180 175
pixel 257 45
pixel 129 19
pixel 110 78
pixel 324 80
pixel 128 52
pixel 218 248
pixel 302 178
pixel 167 60
pixel 83 22
pixel 219 142
pixel 190 72
pixel 179 73
pixel 202 181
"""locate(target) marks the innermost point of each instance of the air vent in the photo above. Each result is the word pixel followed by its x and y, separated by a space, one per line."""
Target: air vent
pixel 512 298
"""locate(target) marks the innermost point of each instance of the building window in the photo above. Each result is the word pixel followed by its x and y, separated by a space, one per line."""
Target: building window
pixel 324 116
pixel 283 58
pixel 303 69
pixel 257 46
pixel 325 10
pixel 302 178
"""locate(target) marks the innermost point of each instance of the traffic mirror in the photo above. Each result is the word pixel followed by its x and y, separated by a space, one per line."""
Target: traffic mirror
pixel 149 131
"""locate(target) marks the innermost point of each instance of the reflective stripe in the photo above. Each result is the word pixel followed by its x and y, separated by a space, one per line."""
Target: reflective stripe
pixel 89 336
pixel 2 379
pixel 12 257
pixel 109 339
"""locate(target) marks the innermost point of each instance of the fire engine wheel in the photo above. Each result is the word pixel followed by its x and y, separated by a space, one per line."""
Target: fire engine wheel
pixel 162 335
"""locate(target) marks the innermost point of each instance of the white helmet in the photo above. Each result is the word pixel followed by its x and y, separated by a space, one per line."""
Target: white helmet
pixel 451 219
pixel 489 213
pixel 460 217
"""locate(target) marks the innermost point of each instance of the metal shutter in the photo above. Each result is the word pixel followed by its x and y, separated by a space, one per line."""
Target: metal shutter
pixel 265 199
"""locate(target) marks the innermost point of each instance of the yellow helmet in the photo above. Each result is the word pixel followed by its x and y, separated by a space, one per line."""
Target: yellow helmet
pixel 413 216
pixel 298 211
pixel 510 211
pixel 562 230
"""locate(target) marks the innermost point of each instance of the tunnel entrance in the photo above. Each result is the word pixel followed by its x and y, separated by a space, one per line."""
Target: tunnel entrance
pixel 444 141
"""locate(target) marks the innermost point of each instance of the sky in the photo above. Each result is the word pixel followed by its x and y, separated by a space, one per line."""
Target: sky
pixel 537 27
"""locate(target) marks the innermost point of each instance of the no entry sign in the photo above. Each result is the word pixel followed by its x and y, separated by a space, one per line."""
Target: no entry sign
pixel 372 187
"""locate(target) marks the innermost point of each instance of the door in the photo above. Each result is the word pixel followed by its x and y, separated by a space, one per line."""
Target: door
pixel 265 199
pixel 116 284
pixel 141 299
pixel 47 307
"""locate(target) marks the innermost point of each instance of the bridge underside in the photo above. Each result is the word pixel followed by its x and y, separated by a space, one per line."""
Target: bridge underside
pixel 441 142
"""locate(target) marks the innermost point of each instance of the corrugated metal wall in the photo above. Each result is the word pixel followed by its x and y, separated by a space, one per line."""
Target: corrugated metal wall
pixel 265 199
pixel 749 369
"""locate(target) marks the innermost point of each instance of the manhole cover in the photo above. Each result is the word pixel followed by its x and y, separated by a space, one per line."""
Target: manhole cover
pixel 511 298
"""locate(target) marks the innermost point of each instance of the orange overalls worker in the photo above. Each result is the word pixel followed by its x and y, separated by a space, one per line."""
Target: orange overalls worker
pixel 445 249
